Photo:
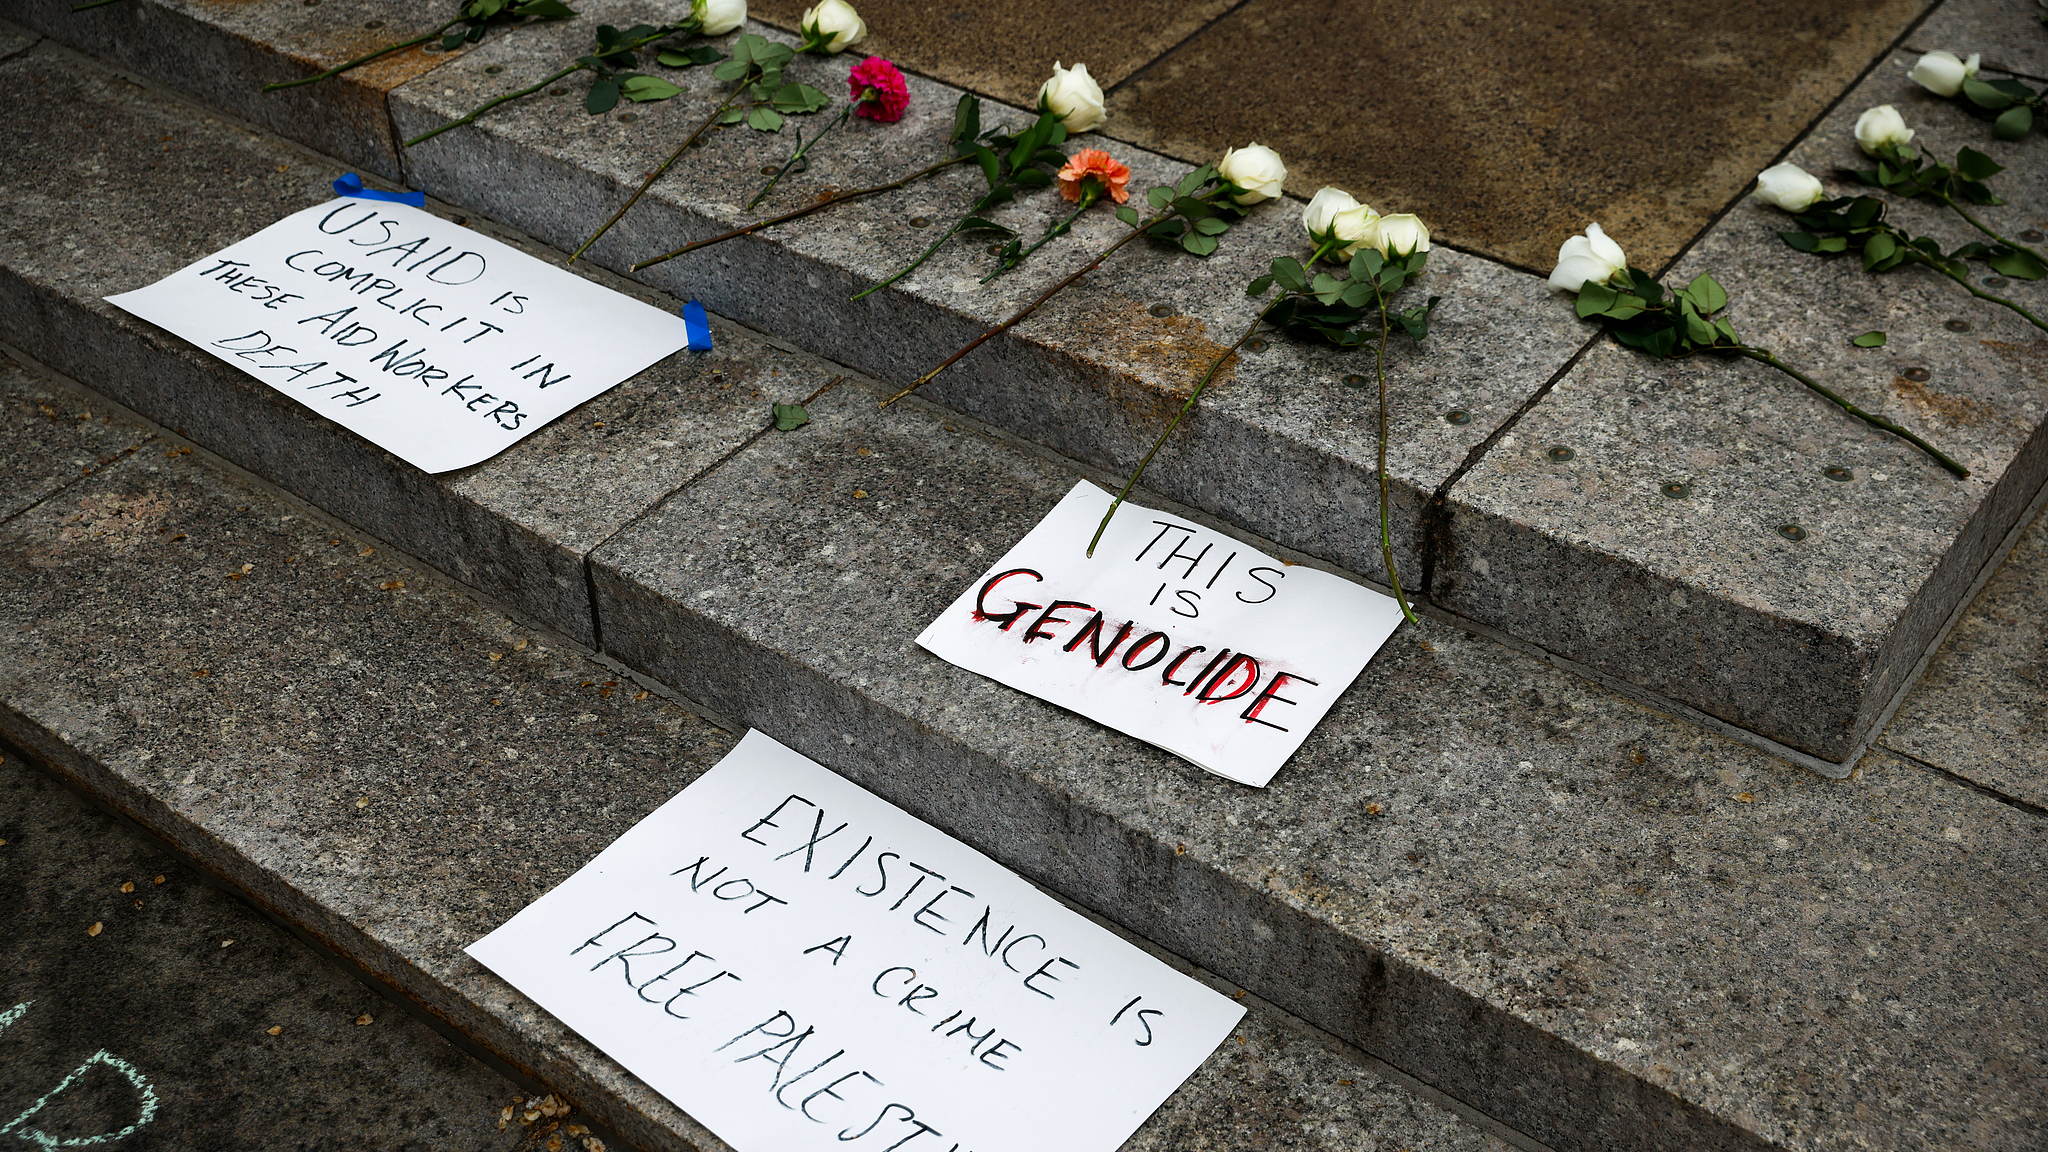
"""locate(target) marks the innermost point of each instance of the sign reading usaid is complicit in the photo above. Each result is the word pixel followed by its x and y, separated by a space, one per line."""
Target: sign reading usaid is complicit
pixel 1173 633
pixel 441 345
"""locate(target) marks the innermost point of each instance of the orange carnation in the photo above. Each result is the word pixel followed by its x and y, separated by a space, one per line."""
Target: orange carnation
pixel 1095 164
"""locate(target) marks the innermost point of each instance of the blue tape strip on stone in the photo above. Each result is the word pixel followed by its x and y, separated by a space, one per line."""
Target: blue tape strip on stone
pixel 350 184
pixel 698 326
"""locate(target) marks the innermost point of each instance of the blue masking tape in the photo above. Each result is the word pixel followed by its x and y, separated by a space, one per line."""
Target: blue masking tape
pixel 350 184
pixel 698 326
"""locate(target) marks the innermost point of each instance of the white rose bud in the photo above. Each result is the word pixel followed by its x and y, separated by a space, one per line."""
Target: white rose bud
pixel 1322 211
pixel 1356 227
pixel 1880 126
pixel 1074 97
pixel 1256 169
pixel 1942 74
pixel 1401 234
pixel 1589 257
pixel 717 17
pixel 1789 186
pixel 837 25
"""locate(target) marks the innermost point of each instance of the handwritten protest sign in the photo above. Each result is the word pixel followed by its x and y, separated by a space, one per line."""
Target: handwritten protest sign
pixel 441 345
pixel 802 966
pixel 1175 634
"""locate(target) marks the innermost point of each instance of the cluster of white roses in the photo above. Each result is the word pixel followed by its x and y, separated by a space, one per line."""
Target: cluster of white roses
pixel 1794 189
pixel 1340 226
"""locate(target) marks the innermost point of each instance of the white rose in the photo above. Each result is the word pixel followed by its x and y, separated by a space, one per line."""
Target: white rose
pixel 1356 227
pixel 1256 169
pixel 1401 234
pixel 1074 97
pixel 717 17
pixel 1880 126
pixel 1942 74
pixel 837 25
pixel 1789 187
pixel 1589 257
pixel 1322 211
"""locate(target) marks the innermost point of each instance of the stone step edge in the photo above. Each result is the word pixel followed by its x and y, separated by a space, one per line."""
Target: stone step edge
pixel 460 1019
pixel 1428 533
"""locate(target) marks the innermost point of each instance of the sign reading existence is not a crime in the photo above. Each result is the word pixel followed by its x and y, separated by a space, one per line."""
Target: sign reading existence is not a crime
pixel 1173 633
pixel 438 344
pixel 803 966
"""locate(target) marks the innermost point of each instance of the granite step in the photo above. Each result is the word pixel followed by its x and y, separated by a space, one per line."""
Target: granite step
pixel 1530 969
pixel 392 767
pixel 1484 519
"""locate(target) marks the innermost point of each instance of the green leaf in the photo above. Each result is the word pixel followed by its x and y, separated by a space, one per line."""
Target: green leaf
pixel 1198 244
pixel 1031 178
pixel 1129 216
pixel 1697 330
pixel 763 119
pixel 732 116
pixel 1984 95
pixel 1833 244
pixel 2013 123
pixel 670 58
pixel 966 119
pixel 1662 343
pixel 1415 321
pixel 1595 299
pixel 799 99
pixel 1288 272
pixel 1869 340
pixel 1727 330
pixel 1258 287
pixel 1326 287
pixel 1159 197
pixel 1863 211
pixel 2018 265
pixel 604 96
pixel 1974 165
pixel 983 224
pixel 1193 181
pixel 733 68
pixel 1707 293
pixel 1879 247
pixel 545 9
pixel 789 417
pixel 647 89
pixel 1367 262
pixel 1212 226
pixel 1803 241
pixel 1357 294
pixel 1052 156
pixel 1167 229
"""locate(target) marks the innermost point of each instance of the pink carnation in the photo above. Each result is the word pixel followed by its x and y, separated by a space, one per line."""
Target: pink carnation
pixel 879 92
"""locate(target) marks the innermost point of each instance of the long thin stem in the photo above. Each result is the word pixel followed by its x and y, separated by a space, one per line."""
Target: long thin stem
pixel 1980 226
pixel 1058 228
pixel 923 256
pixel 359 61
pixel 94 4
pixel 493 103
pixel 1763 357
pixel 820 206
pixel 798 155
pixel 1972 289
pixel 1386 527
pixel 1193 396
pixel 1028 309
pixel 741 87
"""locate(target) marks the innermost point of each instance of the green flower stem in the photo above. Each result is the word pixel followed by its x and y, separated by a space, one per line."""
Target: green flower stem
pixel 1092 193
pixel 806 211
pixel 94 4
pixel 1138 230
pixel 1964 279
pixel 798 155
pixel 1386 527
pixel 1980 226
pixel 1763 357
pixel 745 82
pixel 979 206
pixel 359 61
pixel 1193 396
pixel 530 89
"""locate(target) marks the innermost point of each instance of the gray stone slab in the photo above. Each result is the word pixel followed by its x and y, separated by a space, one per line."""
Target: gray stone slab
pixel 2008 34
pixel 345 1067
pixel 50 437
pixel 1604 927
pixel 516 526
pixel 1700 597
pixel 15 39
pixel 1981 709
pixel 1280 444
pixel 396 770
pixel 224 53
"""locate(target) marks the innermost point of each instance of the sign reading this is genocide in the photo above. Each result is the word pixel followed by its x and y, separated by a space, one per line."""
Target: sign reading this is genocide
pixel 802 966
pixel 438 344
pixel 1175 634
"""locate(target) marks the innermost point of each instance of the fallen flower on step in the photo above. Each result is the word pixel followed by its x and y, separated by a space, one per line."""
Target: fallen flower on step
pixel 1908 172
pixel 1672 324
pixel 1316 304
pixel 1789 186
pixel 1191 213
pixel 1073 96
pixel 480 16
pixel 1256 170
pixel 2009 105
pixel 876 92
pixel 831 28
pixel 1943 73
pixel 1088 174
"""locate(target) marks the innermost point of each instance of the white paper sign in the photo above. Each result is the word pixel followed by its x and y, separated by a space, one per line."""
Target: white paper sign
pixel 1172 633
pixel 802 966
pixel 438 344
